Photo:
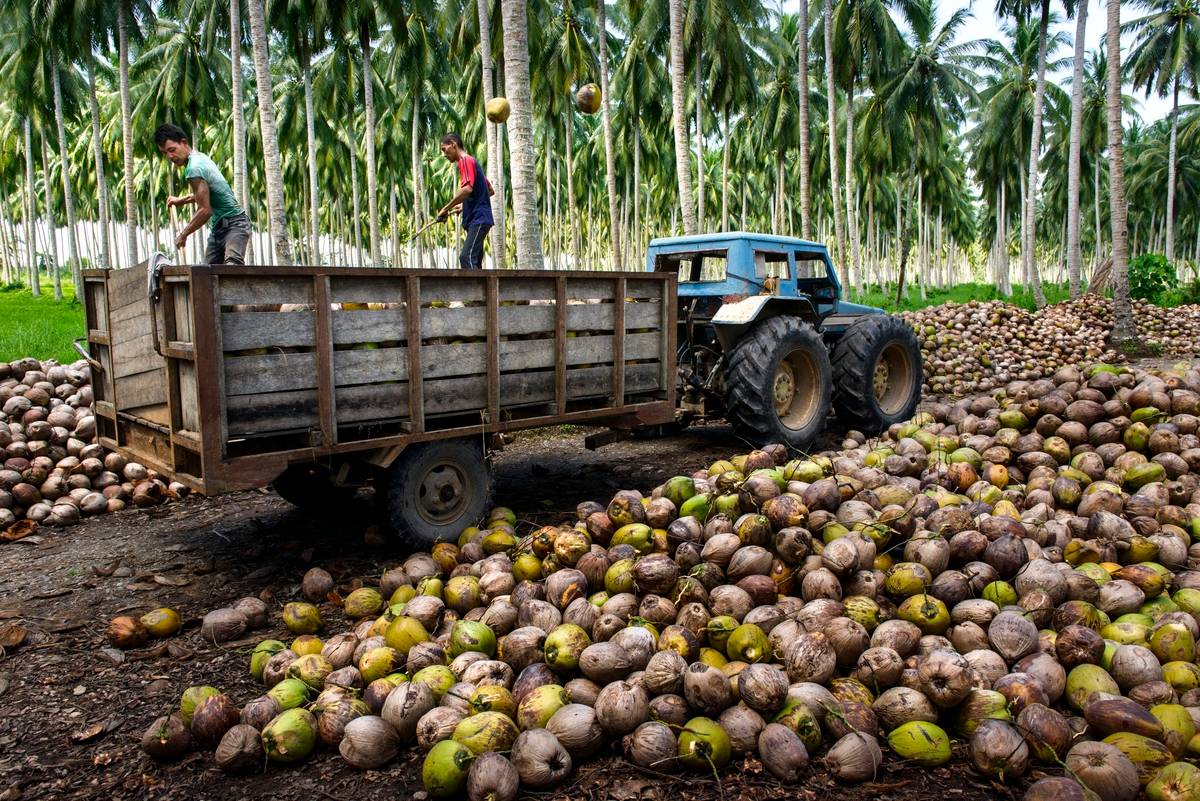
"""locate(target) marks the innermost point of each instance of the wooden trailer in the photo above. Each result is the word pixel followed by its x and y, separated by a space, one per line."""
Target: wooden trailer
pixel 319 380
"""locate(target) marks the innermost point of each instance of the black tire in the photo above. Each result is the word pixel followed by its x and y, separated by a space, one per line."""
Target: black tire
pixel 436 489
pixel 310 488
pixel 778 383
pixel 876 374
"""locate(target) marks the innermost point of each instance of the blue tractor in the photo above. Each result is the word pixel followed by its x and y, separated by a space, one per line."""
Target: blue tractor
pixel 766 341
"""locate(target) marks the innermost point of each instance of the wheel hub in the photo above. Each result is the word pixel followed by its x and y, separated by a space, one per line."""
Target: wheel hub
pixel 882 373
pixel 785 386
pixel 796 378
pixel 443 493
pixel 892 379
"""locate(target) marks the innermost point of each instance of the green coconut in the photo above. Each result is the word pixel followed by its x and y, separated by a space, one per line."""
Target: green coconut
pixel 438 678
pixel 704 745
pixel 748 643
pixel 1148 756
pixel 1178 781
pixel 1178 726
pixel 800 719
pixel 471 635
pixel 378 662
pixel 289 693
pixel 262 654
pixel 444 773
pixel 403 633
pixel 924 743
pixel 290 736
pixel 564 645
pixel 301 618
pixel 486 731
pixel 539 705
pixel 1084 680
pixel 363 602
pixel 191 699
pixel 311 669
pixel 719 630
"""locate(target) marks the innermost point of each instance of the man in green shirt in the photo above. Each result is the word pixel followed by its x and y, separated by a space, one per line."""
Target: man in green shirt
pixel 212 197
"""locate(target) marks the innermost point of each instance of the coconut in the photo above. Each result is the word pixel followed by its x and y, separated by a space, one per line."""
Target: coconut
pixel 782 752
pixel 899 705
pixel 1055 788
pixel 1148 756
pixel 213 716
pixel 290 737
pixel 1108 715
pixel 240 750
pixel 621 707
pixel 126 632
pixel 924 743
pixel 405 706
pixel 260 711
pixel 998 750
pixel 444 772
pixel 540 760
pixel 576 728
pixel 438 724
pixel 301 618
pixel 707 689
pixel 651 745
pixel 167 739
pixel 945 678
pixel 743 725
pixel 369 742
pixel 855 758
pixel 762 687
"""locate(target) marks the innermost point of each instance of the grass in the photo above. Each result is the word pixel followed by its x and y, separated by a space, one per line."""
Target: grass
pixel 40 327
pixel 957 294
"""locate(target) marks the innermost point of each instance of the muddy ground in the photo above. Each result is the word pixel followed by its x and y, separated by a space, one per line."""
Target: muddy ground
pixel 72 710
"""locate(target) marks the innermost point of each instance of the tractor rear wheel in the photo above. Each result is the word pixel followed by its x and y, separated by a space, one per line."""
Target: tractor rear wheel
pixel 876 374
pixel 310 487
pixel 778 383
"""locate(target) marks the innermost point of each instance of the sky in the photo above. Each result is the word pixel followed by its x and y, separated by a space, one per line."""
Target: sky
pixel 984 24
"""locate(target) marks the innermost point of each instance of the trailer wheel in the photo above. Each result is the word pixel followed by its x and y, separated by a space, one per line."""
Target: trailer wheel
pixel 777 384
pixel 436 489
pixel 308 487
pixel 876 373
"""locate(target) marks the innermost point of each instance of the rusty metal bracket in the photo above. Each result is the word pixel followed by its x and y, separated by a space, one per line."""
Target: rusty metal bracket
pixel 87 356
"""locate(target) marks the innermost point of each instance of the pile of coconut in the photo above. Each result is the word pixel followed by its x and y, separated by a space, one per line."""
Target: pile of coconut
pixel 979 346
pixel 1016 572
pixel 52 471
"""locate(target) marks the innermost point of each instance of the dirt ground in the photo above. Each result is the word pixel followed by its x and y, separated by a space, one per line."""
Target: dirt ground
pixel 72 709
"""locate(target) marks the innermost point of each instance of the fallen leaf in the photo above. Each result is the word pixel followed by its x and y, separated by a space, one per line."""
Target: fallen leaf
pixel 172 581
pixel 141 586
pixel 11 635
pixel 33 539
pixel 88 734
pixel 180 652
pixel 334 598
pixel 102 758
pixel 106 570
pixel 113 655
pixel 18 530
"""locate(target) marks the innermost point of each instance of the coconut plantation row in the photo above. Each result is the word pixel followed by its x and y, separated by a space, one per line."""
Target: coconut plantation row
pixel 947 160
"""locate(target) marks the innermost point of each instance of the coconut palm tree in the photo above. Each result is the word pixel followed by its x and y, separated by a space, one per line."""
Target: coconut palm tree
pixel 1074 248
pixel 687 200
pixel 1124 330
pixel 520 134
pixel 610 172
pixel 831 118
pixel 802 116
pixel 1166 56
pixel 130 15
pixel 495 161
pixel 264 89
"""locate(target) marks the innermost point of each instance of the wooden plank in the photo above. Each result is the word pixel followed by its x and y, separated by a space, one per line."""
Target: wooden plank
pixel 452 360
pixel 371 366
pixel 210 378
pixel 326 402
pixel 465 288
pixel 371 402
pixel 352 327
pixel 141 389
pixel 234 290
pixel 130 328
pixel 384 289
pixel 189 399
pixel 132 310
pixel 586 288
pixel 249 330
pixel 416 401
pixel 467 321
pixel 618 344
pixel 272 372
pixel 136 356
pixel 271 412
pixel 181 298
pixel 103 388
pixel 527 289
pixel 442 396
pixel 535 354
pixel 492 307
pixel 96 309
pixel 560 343
pixel 126 286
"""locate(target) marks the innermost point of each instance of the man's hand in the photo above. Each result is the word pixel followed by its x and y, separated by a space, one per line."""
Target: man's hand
pixel 180 241
pixel 443 216
pixel 174 200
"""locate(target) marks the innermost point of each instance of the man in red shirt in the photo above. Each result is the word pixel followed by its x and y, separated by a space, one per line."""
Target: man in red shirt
pixel 474 193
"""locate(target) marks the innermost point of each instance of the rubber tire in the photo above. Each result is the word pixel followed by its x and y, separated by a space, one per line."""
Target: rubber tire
pixel 854 360
pixel 307 487
pixel 402 481
pixel 750 382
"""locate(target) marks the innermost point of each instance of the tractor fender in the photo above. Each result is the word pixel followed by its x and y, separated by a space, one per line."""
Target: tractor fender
pixel 733 320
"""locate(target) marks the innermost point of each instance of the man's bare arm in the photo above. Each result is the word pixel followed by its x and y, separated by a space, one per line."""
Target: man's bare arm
pixel 203 211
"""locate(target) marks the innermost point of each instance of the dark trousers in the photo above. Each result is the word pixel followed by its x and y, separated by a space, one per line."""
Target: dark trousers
pixel 471 255
pixel 227 241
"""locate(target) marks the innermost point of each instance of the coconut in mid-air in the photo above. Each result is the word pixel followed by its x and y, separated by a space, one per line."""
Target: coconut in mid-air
pixel 498 109
pixel 587 99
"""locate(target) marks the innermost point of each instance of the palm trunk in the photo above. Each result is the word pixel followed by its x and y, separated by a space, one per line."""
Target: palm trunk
pixel 1074 248
pixel 700 176
pixel 1124 330
pixel 725 170
pixel 637 185
pixel 1099 245
pixel 902 239
pixel 35 280
pixel 364 39
pixel 276 213
pixel 802 115
pixel 1039 97
pixel 520 134
pixel 241 177
pixel 418 189
pixel 356 196
pixel 98 157
pixel 778 191
pixel 610 167
pixel 572 208
pixel 123 14
pixel 852 197
pixel 687 200
pixel 51 233
pixel 495 165
pixel 831 94
pixel 64 168
pixel 310 133
pixel 1170 215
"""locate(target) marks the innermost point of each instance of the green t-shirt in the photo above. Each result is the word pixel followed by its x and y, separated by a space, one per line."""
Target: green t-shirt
pixel 219 194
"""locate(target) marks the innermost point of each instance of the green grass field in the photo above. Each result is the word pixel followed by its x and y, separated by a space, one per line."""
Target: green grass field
pixel 39 327
pixel 958 294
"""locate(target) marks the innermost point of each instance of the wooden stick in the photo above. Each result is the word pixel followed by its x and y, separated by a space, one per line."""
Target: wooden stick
pixel 179 256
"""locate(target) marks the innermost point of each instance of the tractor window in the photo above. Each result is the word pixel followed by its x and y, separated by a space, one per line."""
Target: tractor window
pixel 771 264
pixel 810 265
pixel 698 267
